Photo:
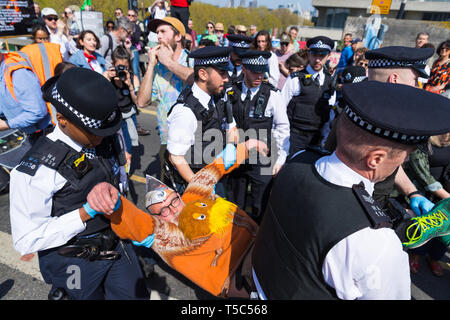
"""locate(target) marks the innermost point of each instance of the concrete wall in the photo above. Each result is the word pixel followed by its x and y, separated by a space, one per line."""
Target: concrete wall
pixel 401 32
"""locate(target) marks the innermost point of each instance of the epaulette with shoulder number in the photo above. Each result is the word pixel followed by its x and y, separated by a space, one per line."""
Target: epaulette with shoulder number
pixel 44 152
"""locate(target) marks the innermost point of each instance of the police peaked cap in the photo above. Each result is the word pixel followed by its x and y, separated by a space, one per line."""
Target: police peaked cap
pixel 212 56
pixel 353 74
pixel 87 99
pixel 400 57
pixel 320 44
pixel 239 43
pixel 398 112
pixel 256 60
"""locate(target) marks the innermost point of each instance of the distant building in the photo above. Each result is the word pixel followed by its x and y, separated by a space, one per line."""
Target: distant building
pixel 242 3
pixel 230 3
pixel 253 4
pixel 330 16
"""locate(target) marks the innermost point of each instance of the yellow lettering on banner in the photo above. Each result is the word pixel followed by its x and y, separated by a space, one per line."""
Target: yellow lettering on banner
pixel 380 6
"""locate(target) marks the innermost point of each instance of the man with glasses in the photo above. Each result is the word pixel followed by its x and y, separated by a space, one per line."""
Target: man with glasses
pixel 119 36
pixel 56 31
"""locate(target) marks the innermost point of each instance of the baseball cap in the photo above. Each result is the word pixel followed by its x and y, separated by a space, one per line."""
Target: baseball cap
pixel 174 22
pixel 49 12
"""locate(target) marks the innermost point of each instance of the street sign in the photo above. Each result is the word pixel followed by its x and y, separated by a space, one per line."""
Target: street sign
pixel 380 6
pixel 16 18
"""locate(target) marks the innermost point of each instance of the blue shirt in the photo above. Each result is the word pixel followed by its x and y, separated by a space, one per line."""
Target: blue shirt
pixel 28 112
pixel 346 58
pixel 79 60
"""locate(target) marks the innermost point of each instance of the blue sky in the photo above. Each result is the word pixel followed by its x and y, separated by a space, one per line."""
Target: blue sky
pixel 305 4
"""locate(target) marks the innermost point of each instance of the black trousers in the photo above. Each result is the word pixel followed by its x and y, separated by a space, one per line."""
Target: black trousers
pixel 120 279
pixel 181 13
pixel 260 183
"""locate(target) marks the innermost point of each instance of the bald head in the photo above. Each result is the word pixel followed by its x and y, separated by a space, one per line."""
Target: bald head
pixel 407 76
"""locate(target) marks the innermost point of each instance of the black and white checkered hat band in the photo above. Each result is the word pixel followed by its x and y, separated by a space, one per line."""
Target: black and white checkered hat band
pixel 241 44
pixel 359 79
pixel 260 61
pixel 320 45
pixel 383 63
pixel 88 122
pixel 402 138
pixel 213 60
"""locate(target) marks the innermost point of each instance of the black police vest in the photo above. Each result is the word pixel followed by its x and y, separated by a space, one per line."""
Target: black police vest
pixel 305 217
pixel 252 115
pixel 211 119
pixel 309 111
pixel 82 175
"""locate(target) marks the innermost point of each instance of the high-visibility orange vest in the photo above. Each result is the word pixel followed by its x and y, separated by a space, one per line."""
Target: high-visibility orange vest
pixel 41 58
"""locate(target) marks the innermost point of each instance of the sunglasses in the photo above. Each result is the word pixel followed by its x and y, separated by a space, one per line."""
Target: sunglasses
pixel 52 18
pixel 363 64
pixel 284 43
pixel 131 15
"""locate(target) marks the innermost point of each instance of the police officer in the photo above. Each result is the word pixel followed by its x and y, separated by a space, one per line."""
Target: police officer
pixel 78 253
pixel 308 95
pixel 258 114
pixel 323 236
pixel 198 124
pixel 403 65
pixel 239 44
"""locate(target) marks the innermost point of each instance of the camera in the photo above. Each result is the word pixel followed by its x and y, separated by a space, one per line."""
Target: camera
pixel 121 72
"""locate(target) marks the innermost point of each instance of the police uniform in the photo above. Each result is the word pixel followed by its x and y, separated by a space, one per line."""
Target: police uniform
pixel 197 114
pixel 323 236
pixel 309 95
pixel 51 184
pixel 239 44
pixel 396 57
pixel 400 57
pixel 259 115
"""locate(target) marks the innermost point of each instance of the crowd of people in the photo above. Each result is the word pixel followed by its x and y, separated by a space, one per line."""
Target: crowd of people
pixel 330 140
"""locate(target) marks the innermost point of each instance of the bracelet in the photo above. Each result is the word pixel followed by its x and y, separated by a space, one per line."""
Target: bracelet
pixel 414 193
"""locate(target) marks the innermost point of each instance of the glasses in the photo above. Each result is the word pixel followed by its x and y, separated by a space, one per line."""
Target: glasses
pixel 210 27
pixel 363 64
pixel 242 32
pixel 445 49
pixel 165 211
pixel 131 15
pixel 52 18
pixel 66 13
pixel 284 43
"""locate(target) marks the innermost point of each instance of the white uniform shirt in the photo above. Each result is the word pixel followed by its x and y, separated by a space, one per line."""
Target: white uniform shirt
pixel 182 124
pixel 33 228
pixel 368 264
pixel 274 70
pixel 280 127
pixel 292 88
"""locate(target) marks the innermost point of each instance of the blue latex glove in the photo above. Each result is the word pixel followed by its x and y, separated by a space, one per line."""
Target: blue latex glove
pixel 420 205
pixel 229 155
pixel 147 242
pixel 93 213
